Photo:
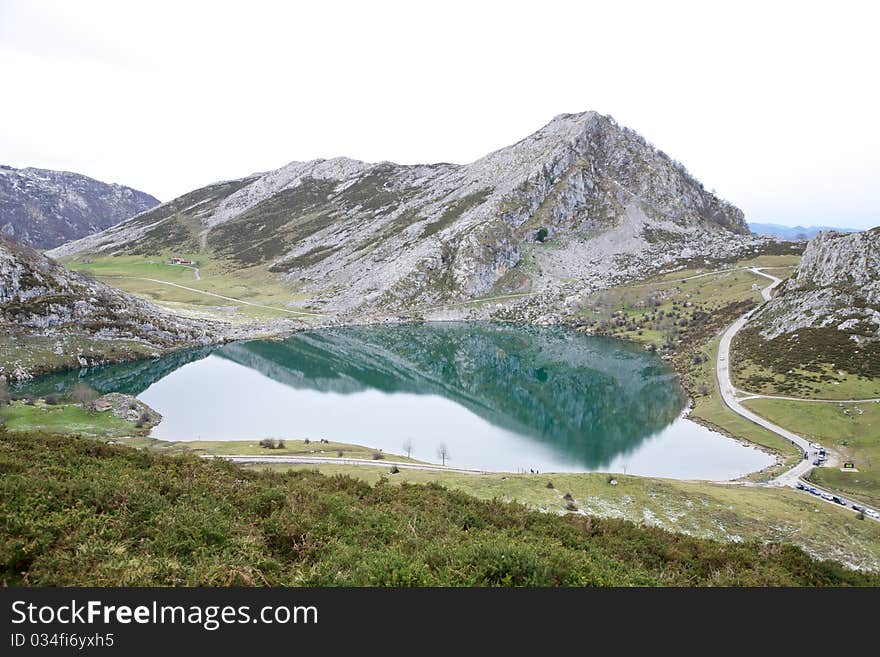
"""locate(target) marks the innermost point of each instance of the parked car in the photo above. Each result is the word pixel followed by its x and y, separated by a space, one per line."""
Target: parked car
pixel 839 500
pixel 817 462
pixel 872 514
pixel 800 486
pixel 806 455
pixel 858 508
pixel 812 490
pixel 826 496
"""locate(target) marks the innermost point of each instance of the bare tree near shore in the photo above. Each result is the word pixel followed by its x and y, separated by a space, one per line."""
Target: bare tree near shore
pixel 408 447
pixel 443 453
pixel 83 394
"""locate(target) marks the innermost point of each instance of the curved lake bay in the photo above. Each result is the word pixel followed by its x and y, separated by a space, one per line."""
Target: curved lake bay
pixel 500 397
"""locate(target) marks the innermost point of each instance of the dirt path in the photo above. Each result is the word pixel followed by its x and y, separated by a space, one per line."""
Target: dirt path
pixel 225 298
pixel 329 460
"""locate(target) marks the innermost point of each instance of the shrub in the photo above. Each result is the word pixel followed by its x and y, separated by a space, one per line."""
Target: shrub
pixel 541 235
pixel 84 394
pixel 549 484
pixel 213 523
pixel 377 455
pixel 267 443
pixel 281 444
pixel 394 469
pixel 571 506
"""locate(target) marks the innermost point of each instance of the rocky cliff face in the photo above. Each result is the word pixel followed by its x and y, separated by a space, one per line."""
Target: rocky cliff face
pixel 580 202
pixel 826 316
pixel 837 285
pixel 41 301
pixel 44 208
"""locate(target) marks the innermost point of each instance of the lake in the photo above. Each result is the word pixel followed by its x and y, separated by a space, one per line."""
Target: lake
pixel 498 396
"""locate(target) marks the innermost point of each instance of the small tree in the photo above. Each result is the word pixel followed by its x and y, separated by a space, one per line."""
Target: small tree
pixel 408 447
pixel 83 394
pixel 541 235
pixel 443 453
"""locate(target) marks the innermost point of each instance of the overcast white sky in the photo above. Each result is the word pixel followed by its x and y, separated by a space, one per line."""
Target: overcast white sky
pixel 774 105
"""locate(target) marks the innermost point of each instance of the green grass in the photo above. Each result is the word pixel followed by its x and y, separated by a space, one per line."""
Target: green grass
pixel 851 430
pixel 251 284
pixel 252 448
pixel 75 511
pixel 717 511
pixel 64 418
pixel 822 381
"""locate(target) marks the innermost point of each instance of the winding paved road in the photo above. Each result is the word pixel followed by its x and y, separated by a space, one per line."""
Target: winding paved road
pixel 729 395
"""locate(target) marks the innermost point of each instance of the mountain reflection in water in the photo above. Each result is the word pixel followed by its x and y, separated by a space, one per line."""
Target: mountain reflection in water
pixel 569 401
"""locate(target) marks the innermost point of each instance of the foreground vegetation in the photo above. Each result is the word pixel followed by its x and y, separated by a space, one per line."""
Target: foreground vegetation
pixel 75 511
pixel 701 509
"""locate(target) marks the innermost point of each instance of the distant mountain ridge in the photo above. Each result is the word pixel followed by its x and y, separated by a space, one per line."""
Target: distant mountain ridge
pixel 795 233
pixel 581 202
pixel 44 208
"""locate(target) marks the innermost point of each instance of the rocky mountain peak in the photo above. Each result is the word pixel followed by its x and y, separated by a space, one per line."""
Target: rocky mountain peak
pixel 599 200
